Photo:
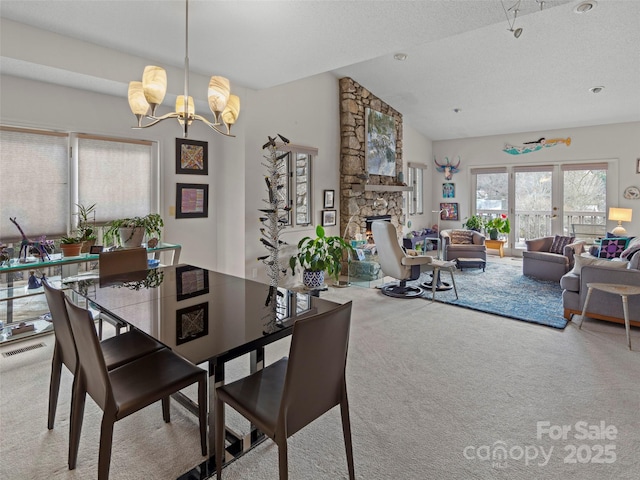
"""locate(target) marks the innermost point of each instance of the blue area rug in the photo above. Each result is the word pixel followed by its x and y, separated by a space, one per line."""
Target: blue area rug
pixel 503 290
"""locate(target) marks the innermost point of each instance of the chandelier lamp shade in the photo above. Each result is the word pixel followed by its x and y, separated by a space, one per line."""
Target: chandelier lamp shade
pixel 145 96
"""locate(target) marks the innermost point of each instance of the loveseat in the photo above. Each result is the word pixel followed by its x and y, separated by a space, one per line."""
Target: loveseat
pixel 543 259
pixel 463 244
pixel 603 306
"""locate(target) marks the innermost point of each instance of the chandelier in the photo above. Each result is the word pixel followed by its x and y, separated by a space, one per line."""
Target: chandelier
pixel 145 96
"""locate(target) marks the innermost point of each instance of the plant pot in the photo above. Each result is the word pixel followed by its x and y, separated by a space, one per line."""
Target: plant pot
pixel 312 279
pixel 71 249
pixel 131 237
pixel 86 245
pixel 493 234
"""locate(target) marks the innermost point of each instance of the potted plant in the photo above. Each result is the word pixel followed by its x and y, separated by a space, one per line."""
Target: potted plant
pixel 86 226
pixel 71 246
pixel 474 222
pixel 129 232
pixel 317 255
pixel 496 225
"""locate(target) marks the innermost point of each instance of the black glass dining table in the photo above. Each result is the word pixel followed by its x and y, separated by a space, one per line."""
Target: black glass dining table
pixel 207 317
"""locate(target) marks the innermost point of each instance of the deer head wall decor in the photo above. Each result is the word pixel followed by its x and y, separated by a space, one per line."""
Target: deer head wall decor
pixel 447 168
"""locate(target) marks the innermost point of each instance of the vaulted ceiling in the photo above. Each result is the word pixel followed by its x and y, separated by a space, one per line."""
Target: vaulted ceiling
pixel 460 53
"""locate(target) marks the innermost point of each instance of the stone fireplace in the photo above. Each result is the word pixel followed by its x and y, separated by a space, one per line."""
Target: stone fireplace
pixel 359 190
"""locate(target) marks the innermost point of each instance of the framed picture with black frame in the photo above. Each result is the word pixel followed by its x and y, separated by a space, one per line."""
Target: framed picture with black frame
pixel 192 157
pixel 192 200
pixel 191 282
pixel 329 198
pixel 328 218
pixel 449 211
pixel 192 322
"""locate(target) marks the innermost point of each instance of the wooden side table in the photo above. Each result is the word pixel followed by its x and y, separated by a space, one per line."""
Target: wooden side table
pixel 496 245
pixel 617 289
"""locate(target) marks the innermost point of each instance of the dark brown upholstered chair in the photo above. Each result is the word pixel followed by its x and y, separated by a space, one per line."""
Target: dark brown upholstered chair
pixel 289 394
pixel 124 264
pixel 116 350
pixel 126 389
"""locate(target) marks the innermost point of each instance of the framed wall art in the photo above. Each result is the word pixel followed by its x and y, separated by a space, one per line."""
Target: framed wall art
pixel 191 282
pixel 191 157
pixel 192 200
pixel 192 322
pixel 380 151
pixel 328 218
pixel 449 211
pixel 448 190
pixel 329 198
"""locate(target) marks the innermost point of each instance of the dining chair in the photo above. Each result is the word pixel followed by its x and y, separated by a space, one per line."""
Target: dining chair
pixel 122 264
pixel 289 394
pixel 116 350
pixel 126 389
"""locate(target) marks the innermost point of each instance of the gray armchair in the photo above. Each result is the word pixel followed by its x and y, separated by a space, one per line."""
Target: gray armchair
pixel 473 247
pixel 539 262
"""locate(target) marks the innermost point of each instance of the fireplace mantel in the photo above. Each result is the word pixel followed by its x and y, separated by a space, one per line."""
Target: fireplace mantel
pixel 380 188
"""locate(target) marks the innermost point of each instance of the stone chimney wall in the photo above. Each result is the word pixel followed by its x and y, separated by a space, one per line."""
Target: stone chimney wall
pixel 356 202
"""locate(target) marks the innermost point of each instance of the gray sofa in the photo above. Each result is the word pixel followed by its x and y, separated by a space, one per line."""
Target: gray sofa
pixel 602 305
pixel 476 249
pixel 539 262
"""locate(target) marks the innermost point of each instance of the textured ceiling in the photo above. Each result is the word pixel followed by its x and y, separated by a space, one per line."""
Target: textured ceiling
pixel 460 53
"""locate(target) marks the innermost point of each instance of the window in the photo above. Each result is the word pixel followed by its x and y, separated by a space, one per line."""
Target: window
pixel 416 180
pixel 41 182
pixel 296 183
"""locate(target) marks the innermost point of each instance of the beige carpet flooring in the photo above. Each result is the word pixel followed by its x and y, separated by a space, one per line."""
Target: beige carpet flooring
pixel 436 391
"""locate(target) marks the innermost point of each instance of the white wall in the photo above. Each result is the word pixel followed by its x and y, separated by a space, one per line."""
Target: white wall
pixel 620 142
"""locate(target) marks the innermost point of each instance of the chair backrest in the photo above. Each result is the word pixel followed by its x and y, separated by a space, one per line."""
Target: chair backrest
pixel 65 344
pixel 315 378
pixel 93 368
pixel 390 253
pixel 123 260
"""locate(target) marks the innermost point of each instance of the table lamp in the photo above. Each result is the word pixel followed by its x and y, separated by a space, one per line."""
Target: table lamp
pixel 621 215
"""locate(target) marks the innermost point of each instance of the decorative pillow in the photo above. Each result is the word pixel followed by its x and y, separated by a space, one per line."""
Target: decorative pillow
pixel 612 247
pixel 559 242
pixel 582 261
pixel 461 237
pixel 632 246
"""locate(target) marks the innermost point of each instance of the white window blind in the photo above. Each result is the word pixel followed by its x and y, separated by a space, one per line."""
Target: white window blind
pixel 34 183
pixel 116 175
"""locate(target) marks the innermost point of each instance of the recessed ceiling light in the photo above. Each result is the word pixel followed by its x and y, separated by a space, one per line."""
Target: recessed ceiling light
pixel 585 7
pixel 400 56
pixel 596 89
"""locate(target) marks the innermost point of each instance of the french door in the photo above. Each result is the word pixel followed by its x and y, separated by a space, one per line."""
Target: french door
pixel 542 200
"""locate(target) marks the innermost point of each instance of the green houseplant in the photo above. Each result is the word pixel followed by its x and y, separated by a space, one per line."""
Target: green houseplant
pixel 317 255
pixel 129 232
pixel 496 225
pixel 86 225
pixel 71 246
pixel 474 222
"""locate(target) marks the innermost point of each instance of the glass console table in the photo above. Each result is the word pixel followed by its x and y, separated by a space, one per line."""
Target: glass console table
pixel 20 304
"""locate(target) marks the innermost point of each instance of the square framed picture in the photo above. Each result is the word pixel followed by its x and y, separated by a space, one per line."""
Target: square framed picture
pixel 192 157
pixel 192 322
pixel 192 200
pixel 448 190
pixel 191 282
pixel 329 198
pixel 328 218
pixel 449 211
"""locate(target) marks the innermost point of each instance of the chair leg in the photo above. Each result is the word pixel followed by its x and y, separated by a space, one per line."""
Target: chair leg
pixel 453 280
pixel 346 432
pixel 54 386
pixel 202 409
pixel 283 465
pixel 78 397
pixel 219 436
pixel 166 409
pixel 106 441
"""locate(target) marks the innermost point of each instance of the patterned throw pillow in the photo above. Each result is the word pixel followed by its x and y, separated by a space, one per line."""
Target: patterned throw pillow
pixel 612 247
pixel 559 242
pixel 461 237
